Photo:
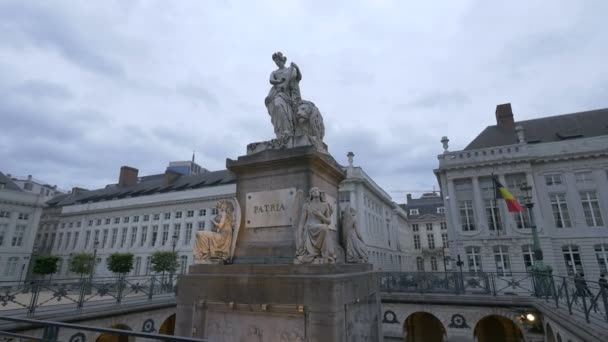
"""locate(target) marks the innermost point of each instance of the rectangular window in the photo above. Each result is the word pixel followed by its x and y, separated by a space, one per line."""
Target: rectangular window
pixel 71 225
pixel 177 231
pixel 11 267
pixel 144 236
pixel 135 218
pixel 188 234
pixel 108 220
pixel 125 219
pixel 474 259
pixel 522 218
pixel 87 239
pixel 104 238
pixel 18 236
pixel 5 214
pixel 114 237
pixel 202 212
pixel 98 223
pixel 190 213
pixel 419 264
pixel 137 267
pixel 560 210
pixel 68 238
pixel 63 225
pixel 154 235
pixel 96 239
pixel 572 259
pixel 165 236
pixel 501 258
pixel 434 264
pixel 553 180
pixel 183 264
pixel 416 241
pixel 493 215
pixel 45 239
pixel 583 177
pixel 90 223
pixel 413 212
pixel 415 227
pixel 146 218
pixel 178 214
pixel 156 217
pixel 116 220
pixel 429 227
pixel 133 236
pixel 59 241
pixel 148 265
pixel 528 254
pixel 467 220
pixel 444 240
pixel 52 241
pixel 201 225
pixel 78 224
pixel 440 210
pixel 430 239
pixel 601 254
pixel 167 216
pixel 23 216
pixel 591 208
pixel 123 236
pixel 214 211
pixel 3 230
pixel 444 225
pixel 76 234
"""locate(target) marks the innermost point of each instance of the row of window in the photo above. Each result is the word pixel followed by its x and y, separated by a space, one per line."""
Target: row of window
pixel 434 265
pixel 137 218
pixel 571 255
pixel 20 216
pixel 559 208
pixel 430 239
pixel 429 226
pixel 580 177
pixel 16 240
pixel 380 258
pixel 149 236
pixel 415 212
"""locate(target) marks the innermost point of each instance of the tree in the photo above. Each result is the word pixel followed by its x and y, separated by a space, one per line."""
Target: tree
pixel 120 263
pixel 44 265
pixel 82 263
pixel 164 261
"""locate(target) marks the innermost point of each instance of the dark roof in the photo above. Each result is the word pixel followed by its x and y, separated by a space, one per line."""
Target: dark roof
pixel 8 183
pixel 548 129
pixel 427 204
pixel 149 187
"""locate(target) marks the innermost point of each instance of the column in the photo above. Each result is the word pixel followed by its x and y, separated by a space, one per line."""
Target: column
pixel 478 205
pixel 453 220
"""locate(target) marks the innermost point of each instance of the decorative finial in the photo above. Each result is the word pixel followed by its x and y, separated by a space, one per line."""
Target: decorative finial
pixel 445 141
pixel 350 156
pixel 193 152
pixel 521 137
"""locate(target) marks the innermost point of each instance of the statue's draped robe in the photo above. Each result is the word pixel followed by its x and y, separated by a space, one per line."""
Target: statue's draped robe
pixel 282 100
pixel 315 244
pixel 356 251
pixel 215 244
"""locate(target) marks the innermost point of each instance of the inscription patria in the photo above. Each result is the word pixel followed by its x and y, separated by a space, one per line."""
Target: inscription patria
pixel 269 208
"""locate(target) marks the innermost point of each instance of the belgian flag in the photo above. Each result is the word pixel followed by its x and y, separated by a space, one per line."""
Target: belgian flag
pixel 501 192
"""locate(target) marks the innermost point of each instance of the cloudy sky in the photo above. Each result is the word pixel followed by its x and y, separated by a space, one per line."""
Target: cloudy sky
pixel 88 86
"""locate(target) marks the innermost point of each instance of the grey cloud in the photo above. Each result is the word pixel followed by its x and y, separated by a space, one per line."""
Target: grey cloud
pixel 198 93
pixel 436 99
pixel 45 28
pixel 43 89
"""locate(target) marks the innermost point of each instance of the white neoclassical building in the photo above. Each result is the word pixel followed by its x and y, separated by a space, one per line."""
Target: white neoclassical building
pixel 565 160
pixel 21 203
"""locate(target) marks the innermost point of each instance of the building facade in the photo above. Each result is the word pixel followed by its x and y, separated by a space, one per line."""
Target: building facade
pixel 427 226
pixel 21 204
pixel 565 160
pixel 382 222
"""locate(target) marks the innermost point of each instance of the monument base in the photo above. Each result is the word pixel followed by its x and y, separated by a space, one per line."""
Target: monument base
pixel 312 303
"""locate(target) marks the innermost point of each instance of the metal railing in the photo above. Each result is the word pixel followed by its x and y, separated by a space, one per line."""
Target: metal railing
pixel 51 332
pixel 588 299
pixel 76 293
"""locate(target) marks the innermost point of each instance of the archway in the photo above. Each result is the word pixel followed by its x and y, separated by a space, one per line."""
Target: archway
pixel 549 335
pixel 107 337
pixel 496 328
pixel 168 326
pixel 423 327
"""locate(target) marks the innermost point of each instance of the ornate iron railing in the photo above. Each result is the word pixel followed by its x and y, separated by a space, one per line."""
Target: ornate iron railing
pixel 56 331
pixel 588 299
pixel 75 293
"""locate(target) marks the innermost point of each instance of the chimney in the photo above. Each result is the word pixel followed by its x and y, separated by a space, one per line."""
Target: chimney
pixel 409 198
pixel 504 116
pixel 171 176
pixel 76 190
pixel 128 176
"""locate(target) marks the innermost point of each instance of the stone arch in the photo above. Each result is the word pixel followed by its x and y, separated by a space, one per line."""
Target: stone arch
pixel 549 335
pixel 497 328
pixel 422 326
pixel 167 327
pixel 107 337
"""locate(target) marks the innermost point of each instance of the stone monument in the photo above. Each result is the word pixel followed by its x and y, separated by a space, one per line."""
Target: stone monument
pixel 294 271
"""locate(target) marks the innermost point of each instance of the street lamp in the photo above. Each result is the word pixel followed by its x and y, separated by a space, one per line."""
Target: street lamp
pixel 29 265
pixel 174 239
pixel 539 270
pixel 94 261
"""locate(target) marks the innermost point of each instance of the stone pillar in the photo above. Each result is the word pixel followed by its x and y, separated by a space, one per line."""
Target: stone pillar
pixel 454 220
pixel 478 205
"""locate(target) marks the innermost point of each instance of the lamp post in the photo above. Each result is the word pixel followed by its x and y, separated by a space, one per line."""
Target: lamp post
pixel 29 265
pixel 174 239
pixel 94 261
pixel 540 271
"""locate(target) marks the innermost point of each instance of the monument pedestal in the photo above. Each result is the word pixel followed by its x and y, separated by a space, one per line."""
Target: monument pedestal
pixel 313 303
pixel 267 183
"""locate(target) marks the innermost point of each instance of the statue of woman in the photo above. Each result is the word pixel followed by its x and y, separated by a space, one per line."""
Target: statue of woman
pixel 314 245
pixel 284 96
pixel 356 252
pixel 216 244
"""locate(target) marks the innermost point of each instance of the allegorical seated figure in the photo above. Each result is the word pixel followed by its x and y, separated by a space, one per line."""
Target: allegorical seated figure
pixel 215 244
pixel 356 252
pixel 313 243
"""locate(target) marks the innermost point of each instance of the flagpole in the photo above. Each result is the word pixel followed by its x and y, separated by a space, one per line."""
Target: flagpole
pixel 494 205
